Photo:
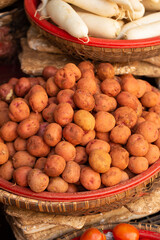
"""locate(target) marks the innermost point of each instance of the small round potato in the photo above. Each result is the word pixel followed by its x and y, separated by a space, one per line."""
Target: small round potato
pixel 37 180
pixel 42 128
pixel 104 121
pixel 52 134
pixel 103 136
pixel 28 127
pixel 88 84
pixel 6 170
pixel 47 112
pixel 63 113
pixel 54 165
pixel 104 103
pixel 71 173
pixel 81 155
pixel 110 87
pixel 149 99
pixel 126 116
pixel 18 110
pixel 20 175
pixel 73 133
pixel 120 134
pixel 148 130
pixel 153 154
pixel 65 78
pixel 155 109
pixel 87 136
pixel 84 119
pixel 84 99
pixel 51 88
pixel 85 65
pixel 112 177
pixel 49 71
pixel 38 100
pixel 66 150
pixel 157 142
pixel 105 70
pixel 99 160
pixel 57 185
pixel 22 87
pixel 97 144
pixel 72 188
pixel 137 145
pixel 142 88
pixel 11 148
pixel 129 84
pixel 127 99
pixel 74 69
pixel 37 116
pixel 23 158
pixel 4 115
pixel 37 147
pixel 9 131
pixel 20 144
pixel 6 92
pixel 66 96
pixel 120 157
pixel 125 176
pixel 40 163
pixel 153 117
pixel 90 179
pixel 138 164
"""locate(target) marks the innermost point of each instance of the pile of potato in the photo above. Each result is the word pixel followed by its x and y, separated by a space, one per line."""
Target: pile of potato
pixel 77 128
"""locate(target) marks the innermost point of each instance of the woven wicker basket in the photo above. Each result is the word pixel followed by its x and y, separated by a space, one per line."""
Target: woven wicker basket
pixel 149 230
pixel 6 3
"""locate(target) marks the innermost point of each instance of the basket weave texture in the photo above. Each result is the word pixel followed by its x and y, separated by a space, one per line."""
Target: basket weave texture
pixel 6 3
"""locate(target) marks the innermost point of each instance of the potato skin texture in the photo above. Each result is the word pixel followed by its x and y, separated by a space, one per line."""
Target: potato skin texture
pixel 9 131
pixel 73 133
pixel 97 144
pixel 28 127
pixel 105 70
pixel 137 145
pixel 90 179
pixel 148 130
pixel 99 160
pixel 6 170
pixel 104 103
pixel 120 134
pixel 64 78
pixel 84 119
pixel 66 150
pixel 63 114
pixel 138 164
pixel 84 99
pixel 104 121
pixel 37 180
pixel 57 185
pixel 71 173
pixel 125 115
pixel 111 177
pixel 37 147
pixel 120 157
pixel 52 134
pixel 4 153
pixel 18 110
pixel 54 165
pixel 20 175
pixel 23 158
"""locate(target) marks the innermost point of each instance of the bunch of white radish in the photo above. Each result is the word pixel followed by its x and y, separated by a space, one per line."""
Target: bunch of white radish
pixel 104 18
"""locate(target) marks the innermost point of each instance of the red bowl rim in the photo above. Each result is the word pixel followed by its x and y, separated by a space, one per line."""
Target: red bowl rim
pixel 30 8
pixel 86 195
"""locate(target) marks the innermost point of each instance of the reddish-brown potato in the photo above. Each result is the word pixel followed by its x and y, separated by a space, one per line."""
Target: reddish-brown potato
pixel 148 130
pixel 28 127
pixel 73 133
pixel 149 99
pixel 105 70
pixel 112 177
pixel 37 180
pixel 42 128
pixel 66 96
pixel 120 134
pixel 155 109
pixel 127 99
pixel 18 110
pixel 9 131
pixel 153 154
pixel 99 160
pixel 23 158
pixel 6 92
pixel 126 116
pixel 103 136
pixel 104 103
pixel 74 69
pixel 37 116
pixel 57 185
pixel 65 78
pixel 85 65
pixel 3 104
pixel 54 165
pixel 120 157
pixel 87 136
pixel 66 150
pixel 142 88
pixel 4 115
pixel 81 155
pixel 20 144
pixel 63 113
pixel 51 88
pixel 137 145
pixel 97 144
pixel 38 100
pixel 11 148
pixel 13 81
pixel 4 153
pixel 84 99
pixel 110 87
pixel 88 84
pixel 153 117
pixel 84 119
pixel 20 175
pixel 52 134
pixel 40 163
pixel 6 170
pixel 138 164
pixel 90 179
pixel 37 147
pixel 72 188
pixel 49 71
pixel 104 121
pixel 129 84
pixel 71 173
pixel 47 113
pixel 124 177
pixel 157 142
pixel 22 87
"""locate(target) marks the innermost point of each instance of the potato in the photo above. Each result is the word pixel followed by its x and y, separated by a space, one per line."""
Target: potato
pixel 20 175
pixel 52 100
pixel 38 100
pixel 37 180
pixel 54 165
pixel 11 149
pixel 155 109
pixel 97 144
pixel 66 96
pixel 103 136
pixel 105 70
pixel 65 78
pixel 57 185
pixel 4 115
pixel 114 145
pixel 6 92
pixel 149 99
pixel 9 131
pixel 139 120
pixel 126 116
pixel 90 179
pixel 148 130
pixel 157 142
pixel 37 147
pixel 42 128
pixel 40 163
pixel 18 110
pixel 65 150
pixel 23 158
pixel 72 188
pixel 138 164
pixel 28 127
pixel 22 87
pixel 37 116
pixel 63 114
pixel 85 65
pixel 110 87
pixel 104 103
pixel 42 82
pixel 84 99
pixel 120 157
pixel 6 170
pixel 20 144
pixel 81 155
pixel 99 160
pixel 88 84
pixel 127 99
pixel 47 113
pixel 142 88
pixel 129 84
pixel 49 71
pixel 13 81
pixel 153 154
pixel 73 133
pixel 3 104
pixel 137 145
pixel 153 117
pixel 71 173
pixel 120 134
pixel 51 87
pixel 33 81
pixel 104 121
pixel 89 74
pixel 87 136
pixel 148 86
pixel 112 177
pixel 84 119
pixel 52 134
pixel 124 177
pixel 74 69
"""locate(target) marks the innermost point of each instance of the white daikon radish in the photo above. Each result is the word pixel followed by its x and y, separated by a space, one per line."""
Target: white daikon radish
pixel 105 8
pixel 125 4
pixel 101 27
pixel 150 18
pixel 66 18
pixel 42 10
pixel 151 6
pixel 145 31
